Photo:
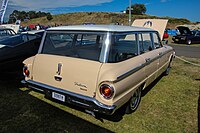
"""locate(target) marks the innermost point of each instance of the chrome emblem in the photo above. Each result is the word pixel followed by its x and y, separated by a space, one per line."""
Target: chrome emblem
pixel 59 69
pixel 148 23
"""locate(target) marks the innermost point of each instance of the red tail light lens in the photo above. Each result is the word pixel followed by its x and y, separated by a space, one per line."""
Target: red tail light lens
pixel 106 91
pixel 26 71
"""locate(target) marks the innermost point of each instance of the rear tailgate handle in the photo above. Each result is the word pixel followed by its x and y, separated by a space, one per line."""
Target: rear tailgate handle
pixel 58 77
pixel 148 59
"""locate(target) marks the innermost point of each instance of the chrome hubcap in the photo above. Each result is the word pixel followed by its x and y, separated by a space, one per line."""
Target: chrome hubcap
pixel 189 42
pixel 135 99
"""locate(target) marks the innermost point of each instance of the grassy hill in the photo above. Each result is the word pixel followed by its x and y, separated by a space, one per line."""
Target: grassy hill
pixel 100 18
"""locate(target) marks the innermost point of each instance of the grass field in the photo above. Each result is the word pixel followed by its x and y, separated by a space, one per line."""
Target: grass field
pixel 171 105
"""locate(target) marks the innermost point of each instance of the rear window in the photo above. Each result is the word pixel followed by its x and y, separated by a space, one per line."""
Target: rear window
pixel 80 45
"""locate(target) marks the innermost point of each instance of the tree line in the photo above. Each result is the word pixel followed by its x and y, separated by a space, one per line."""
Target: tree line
pixel 136 9
pixel 25 16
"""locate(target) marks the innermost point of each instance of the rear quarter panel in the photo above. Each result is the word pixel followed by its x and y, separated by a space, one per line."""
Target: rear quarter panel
pixel 120 77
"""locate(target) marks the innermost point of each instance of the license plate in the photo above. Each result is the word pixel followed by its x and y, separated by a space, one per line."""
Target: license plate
pixel 58 96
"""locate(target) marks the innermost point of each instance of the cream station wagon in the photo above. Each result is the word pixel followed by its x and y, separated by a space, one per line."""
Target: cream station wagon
pixel 97 67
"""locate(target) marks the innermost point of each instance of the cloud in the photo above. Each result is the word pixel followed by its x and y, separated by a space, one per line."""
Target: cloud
pixel 51 4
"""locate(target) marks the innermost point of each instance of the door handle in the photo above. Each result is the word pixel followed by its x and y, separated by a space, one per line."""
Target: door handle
pixel 58 77
pixel 148 59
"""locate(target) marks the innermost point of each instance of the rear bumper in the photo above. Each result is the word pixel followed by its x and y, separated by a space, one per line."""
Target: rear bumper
pixel 71 98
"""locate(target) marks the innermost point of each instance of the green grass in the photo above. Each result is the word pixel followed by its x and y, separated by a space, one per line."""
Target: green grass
pixel 169 106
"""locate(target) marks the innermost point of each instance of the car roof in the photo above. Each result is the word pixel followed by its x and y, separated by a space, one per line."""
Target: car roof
pixel 33 31
pixel 111 28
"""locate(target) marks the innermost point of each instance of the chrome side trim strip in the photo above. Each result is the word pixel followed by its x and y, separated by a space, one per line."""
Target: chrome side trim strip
pixel 125 75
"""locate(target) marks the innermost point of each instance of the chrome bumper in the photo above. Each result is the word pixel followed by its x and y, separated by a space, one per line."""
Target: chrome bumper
pixel 71 98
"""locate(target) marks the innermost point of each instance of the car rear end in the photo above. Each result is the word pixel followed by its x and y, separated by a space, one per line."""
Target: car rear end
pixel 67 68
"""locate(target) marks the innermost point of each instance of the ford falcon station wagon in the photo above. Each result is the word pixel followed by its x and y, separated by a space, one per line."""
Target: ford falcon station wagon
pixel 99 68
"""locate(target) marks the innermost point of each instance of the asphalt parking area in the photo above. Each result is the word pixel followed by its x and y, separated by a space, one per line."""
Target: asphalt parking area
pixel 187 51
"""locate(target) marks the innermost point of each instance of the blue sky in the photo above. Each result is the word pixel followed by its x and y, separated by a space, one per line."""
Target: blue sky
pixel 174 8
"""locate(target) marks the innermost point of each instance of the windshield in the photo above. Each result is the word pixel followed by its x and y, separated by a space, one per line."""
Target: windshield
pixel 17 39
pixel 85 45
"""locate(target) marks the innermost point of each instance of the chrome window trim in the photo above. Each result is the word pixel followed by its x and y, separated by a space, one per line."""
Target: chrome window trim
pixel 156 33
pixel 105 48
pixel 42 43
pixel 125 75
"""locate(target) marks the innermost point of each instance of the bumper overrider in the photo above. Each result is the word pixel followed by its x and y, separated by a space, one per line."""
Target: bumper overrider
pixel 71 98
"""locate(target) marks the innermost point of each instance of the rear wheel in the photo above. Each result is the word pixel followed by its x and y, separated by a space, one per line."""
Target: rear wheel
pixel 134 102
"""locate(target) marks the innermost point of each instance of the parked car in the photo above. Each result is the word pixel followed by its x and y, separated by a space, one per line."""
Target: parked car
pixel 14 50
pixel 97 67
pixel 6 32
pixel 186 36
pixel 165 35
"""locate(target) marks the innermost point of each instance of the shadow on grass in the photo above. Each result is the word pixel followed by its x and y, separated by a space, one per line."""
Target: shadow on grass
pixel 118 115
pixel 148 88
pixel 20 112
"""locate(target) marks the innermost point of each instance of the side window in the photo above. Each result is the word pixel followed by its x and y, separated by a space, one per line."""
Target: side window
pixel 145 42
pixel 123 47
pixel 156 41
pixel 198 34
pixel 24 38
pixel 31 37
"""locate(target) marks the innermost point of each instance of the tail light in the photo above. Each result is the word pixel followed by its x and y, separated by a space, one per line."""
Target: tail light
pixel 106 91
pixel 26 71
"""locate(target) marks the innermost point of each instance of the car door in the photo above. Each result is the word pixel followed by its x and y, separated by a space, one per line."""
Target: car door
pixel 161 53
pixel 150 55
pixel 197 37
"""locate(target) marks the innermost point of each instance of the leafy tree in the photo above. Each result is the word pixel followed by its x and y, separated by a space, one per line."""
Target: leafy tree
pixel 137 9
pixel 22 15
pixel 49 17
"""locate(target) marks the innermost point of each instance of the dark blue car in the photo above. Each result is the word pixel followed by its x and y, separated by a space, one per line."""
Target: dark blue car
pixel 15 49
pixel 186 36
